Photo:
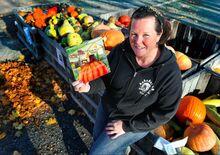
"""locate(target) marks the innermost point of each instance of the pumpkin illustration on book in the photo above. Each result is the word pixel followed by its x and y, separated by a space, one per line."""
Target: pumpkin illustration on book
pixel 92 70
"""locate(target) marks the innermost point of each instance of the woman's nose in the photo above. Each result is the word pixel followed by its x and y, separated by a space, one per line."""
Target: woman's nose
pixel 138 40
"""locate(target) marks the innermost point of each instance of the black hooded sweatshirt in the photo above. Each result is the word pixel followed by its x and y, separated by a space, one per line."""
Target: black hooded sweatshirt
pixel 143 98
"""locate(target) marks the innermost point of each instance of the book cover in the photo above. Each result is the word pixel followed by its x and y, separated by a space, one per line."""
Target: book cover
pixel 88 60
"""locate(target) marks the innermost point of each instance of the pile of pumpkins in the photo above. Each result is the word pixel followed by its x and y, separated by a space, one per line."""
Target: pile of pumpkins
pixel 70 26
pixel 197 119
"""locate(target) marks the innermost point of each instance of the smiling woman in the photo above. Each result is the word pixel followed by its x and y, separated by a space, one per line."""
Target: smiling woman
pixel 143 89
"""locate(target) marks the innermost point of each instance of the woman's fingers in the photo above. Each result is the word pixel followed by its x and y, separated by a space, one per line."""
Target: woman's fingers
pixel 75 83
pixel 79 86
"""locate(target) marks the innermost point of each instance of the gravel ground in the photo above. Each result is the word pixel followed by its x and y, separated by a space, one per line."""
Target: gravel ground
pixel 72 133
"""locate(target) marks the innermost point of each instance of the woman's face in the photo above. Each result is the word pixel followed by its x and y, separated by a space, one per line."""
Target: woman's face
pixel 143 36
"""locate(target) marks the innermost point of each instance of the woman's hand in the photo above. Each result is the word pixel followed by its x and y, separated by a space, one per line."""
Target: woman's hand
pixel 114 129
pixel 81 87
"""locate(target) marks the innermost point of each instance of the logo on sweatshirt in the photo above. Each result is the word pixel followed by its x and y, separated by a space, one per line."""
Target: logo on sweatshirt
pixel 146 87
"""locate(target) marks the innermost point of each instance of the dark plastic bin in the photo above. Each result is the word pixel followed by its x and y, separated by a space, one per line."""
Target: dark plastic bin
pixel 55 55
pixel 88 102
pixel 29 37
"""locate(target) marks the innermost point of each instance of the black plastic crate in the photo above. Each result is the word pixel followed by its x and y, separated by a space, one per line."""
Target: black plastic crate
pixel 55 55
pixel 195 43
pixel 87 102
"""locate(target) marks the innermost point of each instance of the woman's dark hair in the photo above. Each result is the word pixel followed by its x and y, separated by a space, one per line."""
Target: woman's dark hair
pixel 161 23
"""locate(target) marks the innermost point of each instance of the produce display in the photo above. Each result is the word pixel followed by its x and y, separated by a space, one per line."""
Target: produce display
pixel 200 121
pixel 77 32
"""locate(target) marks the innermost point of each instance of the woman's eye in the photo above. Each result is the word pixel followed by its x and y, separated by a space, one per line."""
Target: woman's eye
pixel 133 35
pixel 146 35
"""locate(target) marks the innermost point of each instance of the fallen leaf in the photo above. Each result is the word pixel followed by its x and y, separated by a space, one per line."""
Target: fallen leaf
pixel 61 109
pixel 2 135
pixel 18 134
pixel 71 112
pixel 21 57
pixel 16 153
pixel 18 126
pixel 51 121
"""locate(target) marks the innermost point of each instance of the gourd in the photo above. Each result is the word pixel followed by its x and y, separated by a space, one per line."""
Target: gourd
pixel 183 61
pixel 112 38
pixel 99 29
pixel 92 70
pixel 213 115
pixel 65 28
pixel 191 110
pixel 201 137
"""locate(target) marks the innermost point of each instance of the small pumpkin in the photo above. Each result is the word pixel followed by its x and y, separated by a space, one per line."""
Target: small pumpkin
pixel 91 71
pixel 112 38
pixel 165 131
pixel 201 137
pixel 183 61
pixel 191 110
pixel 99 29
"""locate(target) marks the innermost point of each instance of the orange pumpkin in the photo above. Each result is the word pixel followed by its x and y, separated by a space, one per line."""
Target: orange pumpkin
pixel 183 61
pixel 92 70
pixel 98 30
pixel 112 38
pixel 201 137
pixel 191 110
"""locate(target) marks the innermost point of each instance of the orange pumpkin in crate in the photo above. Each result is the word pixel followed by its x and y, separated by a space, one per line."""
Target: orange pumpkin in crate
pixel 191 110
pixel 112 38
pixel 201 137
pixel 91 71
pixel 183 61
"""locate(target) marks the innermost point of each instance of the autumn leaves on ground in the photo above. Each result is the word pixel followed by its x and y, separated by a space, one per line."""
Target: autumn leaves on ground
pixel 26 90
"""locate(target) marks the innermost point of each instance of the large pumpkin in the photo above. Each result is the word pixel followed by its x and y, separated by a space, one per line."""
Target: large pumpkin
pixel 191 109
pixel 112 38
pixel 201 137
pixel 92 70
pixel 183 61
